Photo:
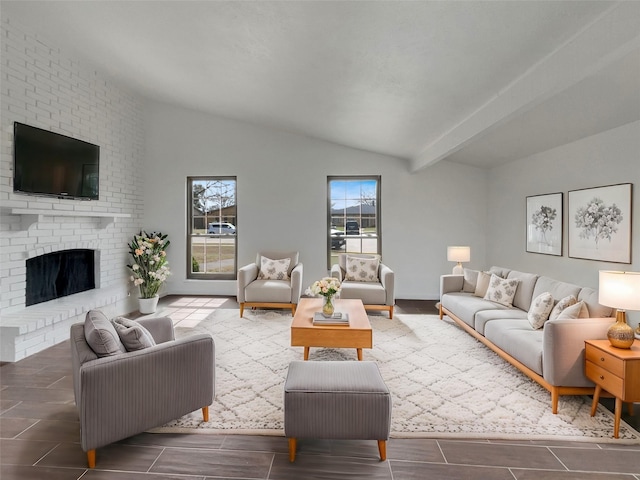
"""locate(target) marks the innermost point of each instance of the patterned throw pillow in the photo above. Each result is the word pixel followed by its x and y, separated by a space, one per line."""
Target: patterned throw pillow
pixel 501 290
pixel 274 269
pixel 482 284
pixel 540 310
pixel 561 305
pixel 133 335
pixel 362 269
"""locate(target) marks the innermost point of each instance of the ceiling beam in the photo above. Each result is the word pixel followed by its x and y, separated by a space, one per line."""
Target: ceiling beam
pixel 611 36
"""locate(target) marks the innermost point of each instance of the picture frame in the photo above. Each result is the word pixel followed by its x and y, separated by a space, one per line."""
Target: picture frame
pixel 599 223
pixel 544 223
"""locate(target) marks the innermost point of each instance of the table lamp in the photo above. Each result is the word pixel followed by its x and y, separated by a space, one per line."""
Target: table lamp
pixel 459 255
pixel 620 290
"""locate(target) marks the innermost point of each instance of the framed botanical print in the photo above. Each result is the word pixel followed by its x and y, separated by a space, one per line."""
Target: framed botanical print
pixel 600 223
pixel 544 224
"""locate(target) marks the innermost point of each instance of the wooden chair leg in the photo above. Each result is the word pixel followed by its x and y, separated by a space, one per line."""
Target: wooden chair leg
pixel 91 458
pixel 241 309
pixel 293 444
pixel 205 414
pixel 391 312
pixel 382 448
pixel 555 397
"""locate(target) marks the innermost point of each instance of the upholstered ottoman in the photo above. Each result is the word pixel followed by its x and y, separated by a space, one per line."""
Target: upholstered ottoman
pixel 336 400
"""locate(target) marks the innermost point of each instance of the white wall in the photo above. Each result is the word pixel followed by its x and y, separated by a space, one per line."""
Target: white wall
pixel 607 158
pixel 44 88
pixel 282 181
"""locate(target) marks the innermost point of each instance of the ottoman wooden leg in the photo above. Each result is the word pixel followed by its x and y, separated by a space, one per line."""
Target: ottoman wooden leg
pixel 293 443
pixel 382 448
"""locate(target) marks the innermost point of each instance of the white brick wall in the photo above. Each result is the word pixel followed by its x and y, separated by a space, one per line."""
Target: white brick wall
pixel 40 86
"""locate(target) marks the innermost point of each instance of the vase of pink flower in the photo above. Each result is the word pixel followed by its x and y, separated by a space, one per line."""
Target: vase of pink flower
pixel 327 287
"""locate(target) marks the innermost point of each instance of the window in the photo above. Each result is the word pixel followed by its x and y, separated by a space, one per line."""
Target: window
pixel 353 216
pixel 211 233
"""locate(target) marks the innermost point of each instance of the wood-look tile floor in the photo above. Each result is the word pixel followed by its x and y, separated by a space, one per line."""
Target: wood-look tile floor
pixel 39 439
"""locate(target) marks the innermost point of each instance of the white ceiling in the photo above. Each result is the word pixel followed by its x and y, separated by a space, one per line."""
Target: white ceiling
pixel 478 82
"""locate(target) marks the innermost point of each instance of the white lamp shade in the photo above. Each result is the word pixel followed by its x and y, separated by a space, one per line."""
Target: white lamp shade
pixel 620 290
pixel 458 254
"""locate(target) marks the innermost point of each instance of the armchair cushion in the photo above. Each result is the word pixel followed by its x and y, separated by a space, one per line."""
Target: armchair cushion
pixel 362 269
pixel 133 335
pixel 292 256
pixel 101 335
pixel 274 269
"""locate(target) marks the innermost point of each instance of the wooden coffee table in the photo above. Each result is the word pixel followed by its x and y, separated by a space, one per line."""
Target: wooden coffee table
pixel 357 334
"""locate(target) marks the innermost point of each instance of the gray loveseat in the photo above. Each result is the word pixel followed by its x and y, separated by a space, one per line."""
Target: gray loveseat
pixel 553 355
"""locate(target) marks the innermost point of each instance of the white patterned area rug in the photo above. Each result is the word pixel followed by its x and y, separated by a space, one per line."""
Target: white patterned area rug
pixel 443 382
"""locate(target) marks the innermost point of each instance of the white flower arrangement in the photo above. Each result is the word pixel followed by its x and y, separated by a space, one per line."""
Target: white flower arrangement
pixel 150 269
pixel 327 287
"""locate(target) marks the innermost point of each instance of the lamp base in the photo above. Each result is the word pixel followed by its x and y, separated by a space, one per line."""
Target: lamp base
pixel 458 270
pixel 620 334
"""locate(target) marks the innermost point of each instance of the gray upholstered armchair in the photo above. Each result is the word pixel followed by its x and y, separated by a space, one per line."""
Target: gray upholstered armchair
pixel 271 282
pixel 374 287
pixel 119 394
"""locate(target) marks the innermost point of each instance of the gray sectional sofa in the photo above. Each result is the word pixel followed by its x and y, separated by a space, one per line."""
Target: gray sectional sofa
pixel 553 356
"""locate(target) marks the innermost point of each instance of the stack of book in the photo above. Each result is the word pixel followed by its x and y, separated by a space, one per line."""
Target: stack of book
pixel 338 318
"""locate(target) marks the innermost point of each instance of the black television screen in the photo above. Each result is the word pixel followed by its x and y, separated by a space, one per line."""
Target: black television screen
pixel 47 163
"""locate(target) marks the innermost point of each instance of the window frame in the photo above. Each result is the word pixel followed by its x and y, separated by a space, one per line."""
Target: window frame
pixel 378 191
pixel 190 235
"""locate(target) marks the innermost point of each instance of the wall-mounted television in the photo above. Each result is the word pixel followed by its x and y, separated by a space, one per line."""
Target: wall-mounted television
pixel 48 163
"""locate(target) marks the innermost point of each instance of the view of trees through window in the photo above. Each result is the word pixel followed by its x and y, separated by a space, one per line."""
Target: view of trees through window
pixel 354 216
pixel 211 235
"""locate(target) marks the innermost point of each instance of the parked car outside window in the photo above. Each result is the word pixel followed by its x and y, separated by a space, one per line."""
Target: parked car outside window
pixel 337 239
pixel 221 229
pixel 352 228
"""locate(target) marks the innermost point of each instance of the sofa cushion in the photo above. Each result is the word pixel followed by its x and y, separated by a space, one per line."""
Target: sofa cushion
pixel 276 291
pixel 132 335
pixel 500 271
pixel 578 310
pixel 540 309
pixel 101 335
pixel 482 285
pixel 561 305
pixel 470 280
pixel 501 290
pixel 524 293
pixel 362 269
pixel 506 313
pixel 465 306
pixel 556 288
pixel 518 339
pixel 590 297
pixel 274 269
pixel 371 293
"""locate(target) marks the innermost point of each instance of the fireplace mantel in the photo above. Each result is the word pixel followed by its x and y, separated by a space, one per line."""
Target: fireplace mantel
pixel 32 216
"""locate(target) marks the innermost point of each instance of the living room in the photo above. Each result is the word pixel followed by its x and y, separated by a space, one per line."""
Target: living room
pixel 430 197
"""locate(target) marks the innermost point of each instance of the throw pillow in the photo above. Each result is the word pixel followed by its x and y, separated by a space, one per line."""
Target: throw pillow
pixel 482 284
pixel 561 305
pixel 274 269
pixel 133 335
pixel 577 310
pixel 362 269
pixel 101 335
pixel 540 310
pixel 501 290
pixel 470 280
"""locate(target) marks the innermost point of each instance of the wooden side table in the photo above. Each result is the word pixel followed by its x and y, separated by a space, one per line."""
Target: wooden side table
pixel 616 370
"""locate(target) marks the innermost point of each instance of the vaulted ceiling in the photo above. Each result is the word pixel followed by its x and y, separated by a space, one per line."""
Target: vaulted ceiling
pixel 477 82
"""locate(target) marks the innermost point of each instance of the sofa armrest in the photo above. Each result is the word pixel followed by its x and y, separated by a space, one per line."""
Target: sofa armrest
pixel 387 278
pixel 336 272
pixel 563 349
pixel 129 393
pixel 246 275
pixel 160 328
pixel 296 283
pixel 451 283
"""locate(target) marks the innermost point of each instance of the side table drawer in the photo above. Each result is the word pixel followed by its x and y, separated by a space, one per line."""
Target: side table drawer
pixel 605 360
pixel 607 380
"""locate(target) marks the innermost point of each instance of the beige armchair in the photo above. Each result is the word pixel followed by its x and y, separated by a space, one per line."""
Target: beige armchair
pixel 121 393
pixel 270 282
pixel 374 287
